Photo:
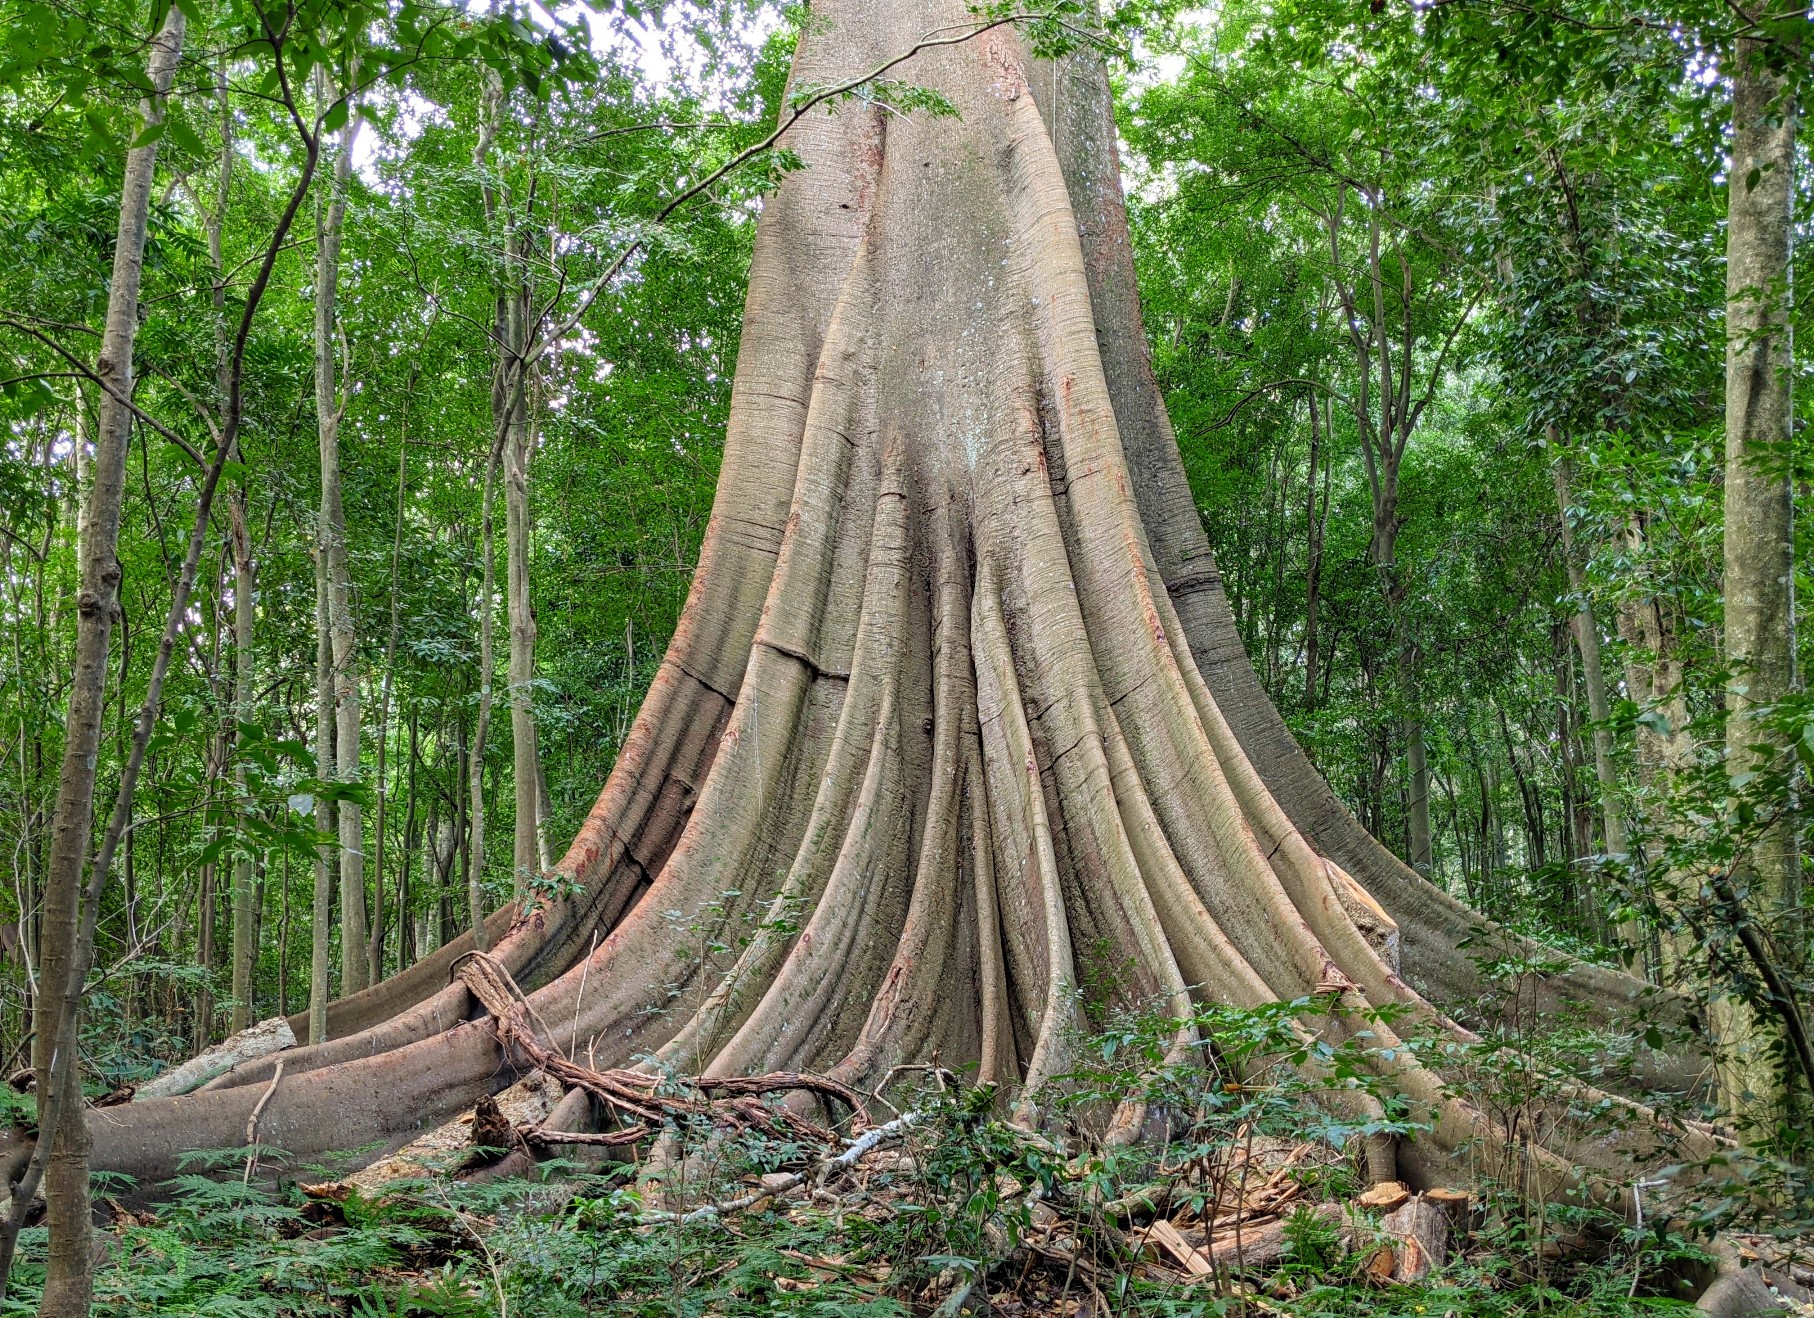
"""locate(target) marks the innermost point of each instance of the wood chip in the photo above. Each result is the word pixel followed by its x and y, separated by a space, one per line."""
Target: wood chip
pixel 1166 1236
pixel 1384 1197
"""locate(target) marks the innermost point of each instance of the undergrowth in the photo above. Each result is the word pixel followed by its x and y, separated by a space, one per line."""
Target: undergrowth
pixel 966 1213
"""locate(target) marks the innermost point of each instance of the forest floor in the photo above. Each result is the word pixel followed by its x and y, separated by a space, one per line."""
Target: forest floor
pixel 1259 1207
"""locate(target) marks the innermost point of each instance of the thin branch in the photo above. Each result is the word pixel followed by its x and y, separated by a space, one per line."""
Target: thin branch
pixel 88 373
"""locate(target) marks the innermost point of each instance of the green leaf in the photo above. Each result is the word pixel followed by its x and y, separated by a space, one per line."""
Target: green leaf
pixel 185 138
pixel 148 135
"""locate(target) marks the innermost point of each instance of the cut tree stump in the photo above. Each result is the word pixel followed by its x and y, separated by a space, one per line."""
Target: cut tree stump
pixel 1424 1227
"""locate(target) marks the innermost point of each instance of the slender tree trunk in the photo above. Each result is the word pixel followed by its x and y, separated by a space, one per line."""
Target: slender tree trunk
pixel 406 934
pixel 463 832
pixel 510 415
pixel 1593 679
pixel 330 217
pixel 1417 764
pixel 528 850
pixel 283 934
pixel 1593 671
pixel 245 932
pixel 475 871
pixel 1316 525
pixel 375 962
pixel 214 759
pixel 1759 537
pixel 321 931
pixel 201 1029
pixel 505 385
pixel 1665 746
pixel 69 1269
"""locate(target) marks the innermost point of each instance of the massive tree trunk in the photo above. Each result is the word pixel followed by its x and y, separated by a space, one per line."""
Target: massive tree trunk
pixel 956 684
pixel 1759 539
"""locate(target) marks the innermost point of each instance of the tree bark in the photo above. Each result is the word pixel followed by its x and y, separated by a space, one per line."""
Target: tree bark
pixel 245 923
pixel 69 1273
pixel 1665 746
pixel 511 383
pixel 321 928
pixel 330 218
pixel 520 604
pixel 375 958
pixel 1593 671
pixel 1593 678
pixel 1316 526
pixel 475 812
pixel 1759 533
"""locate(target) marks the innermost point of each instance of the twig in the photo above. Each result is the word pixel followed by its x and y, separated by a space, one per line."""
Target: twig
pixel 863 1144
pixel 258 1110
pixel 491 1262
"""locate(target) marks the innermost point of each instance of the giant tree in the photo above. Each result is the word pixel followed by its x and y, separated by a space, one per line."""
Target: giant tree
pixel 956 682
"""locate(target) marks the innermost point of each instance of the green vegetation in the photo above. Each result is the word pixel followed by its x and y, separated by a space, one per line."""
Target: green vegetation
pixel 965 1205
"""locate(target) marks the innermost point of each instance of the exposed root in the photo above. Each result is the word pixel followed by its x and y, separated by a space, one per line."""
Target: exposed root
pixel 643 1101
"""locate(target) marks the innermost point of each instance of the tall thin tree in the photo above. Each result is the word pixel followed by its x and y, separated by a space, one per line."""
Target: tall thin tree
pixel 69 1280
pixel 331 398
pixel 1759 528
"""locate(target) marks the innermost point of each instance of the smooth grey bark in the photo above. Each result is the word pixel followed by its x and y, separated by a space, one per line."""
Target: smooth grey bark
pixel 517 345
pixel 69 1276
pixel 244 952
pixel 375 956
pixel 330 407
pixel 321 911
pixel 1759 532
pixel 1316 526
pixel 529 846
pixel 475 871
pixel 1586 630
pixel 508 348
